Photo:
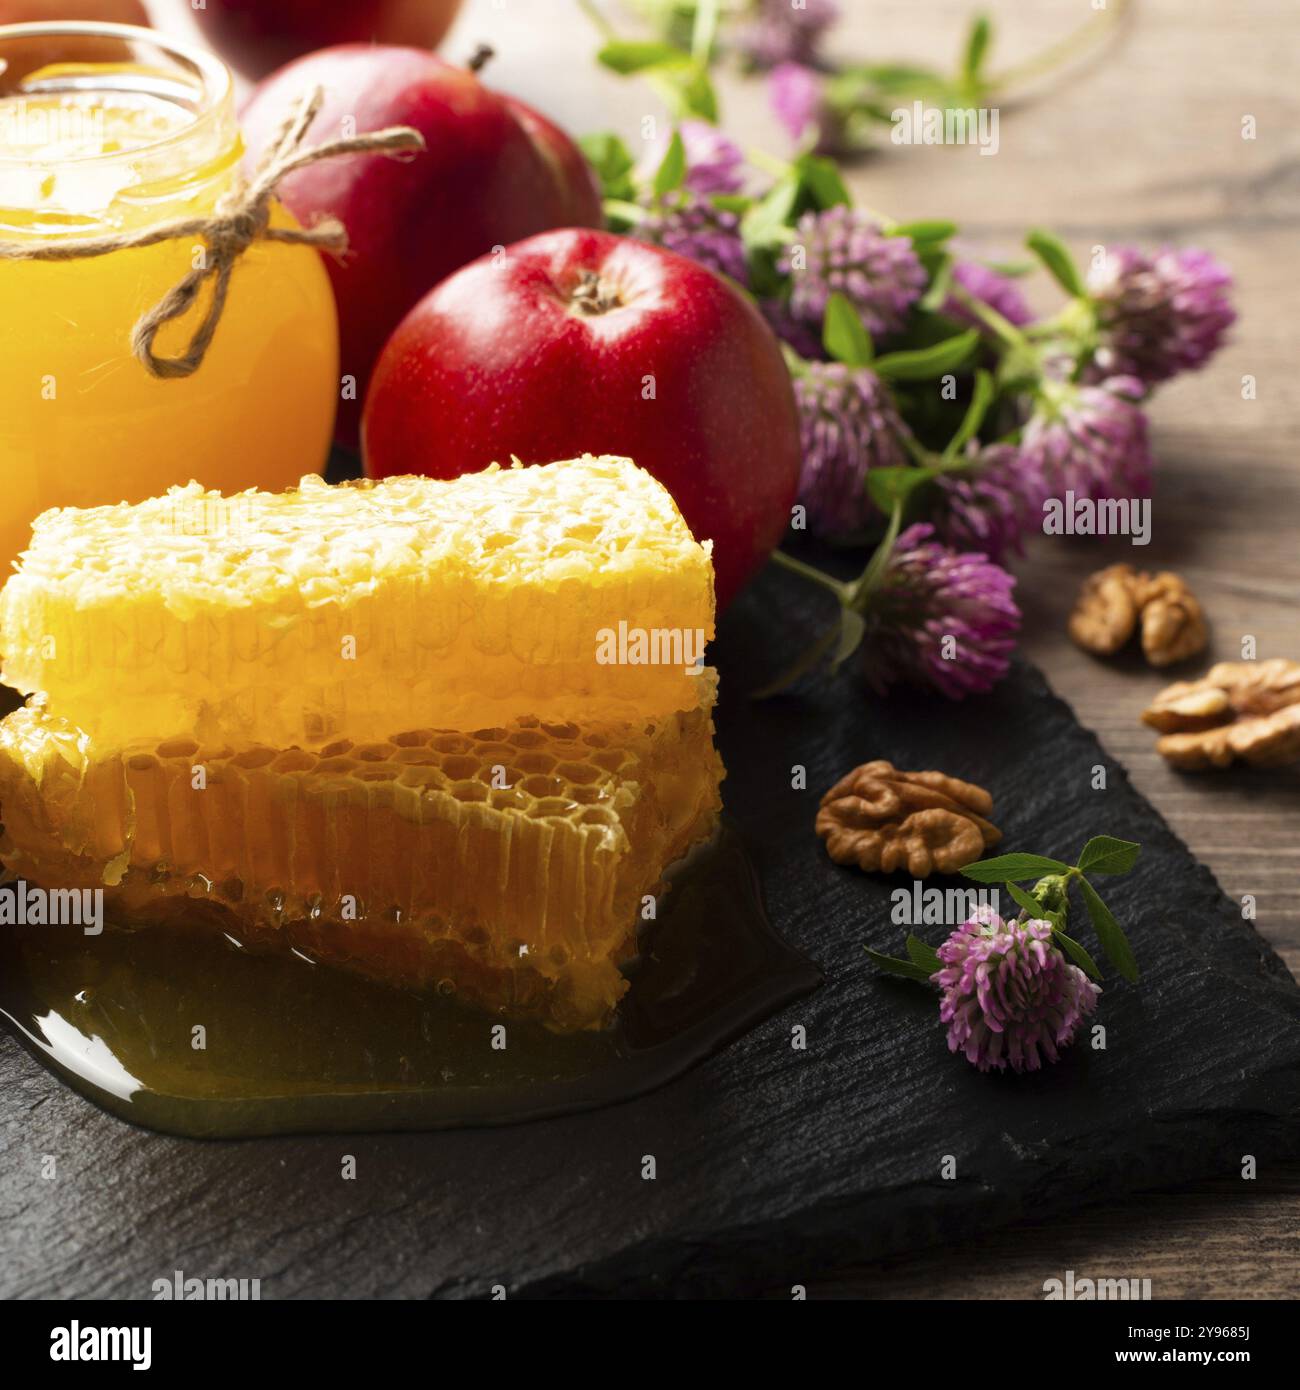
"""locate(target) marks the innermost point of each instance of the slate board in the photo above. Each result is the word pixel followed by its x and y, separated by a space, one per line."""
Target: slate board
pixel 773 1165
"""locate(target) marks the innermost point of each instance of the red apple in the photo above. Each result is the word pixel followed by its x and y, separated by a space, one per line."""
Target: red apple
pixel 579 342
pixel 258 35
pixel 493 171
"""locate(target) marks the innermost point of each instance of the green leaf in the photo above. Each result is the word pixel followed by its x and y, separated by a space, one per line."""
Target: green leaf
pixel 613 163
pixel 698 96
pixel 1031 904
pixel 843 334
pixel 921 364
pixel 941 273
pixel 977 47
pixel 1006 868
pixel 921 953
pixel 925 232
pixel 897 78
pixel 981 399
pixel 821 179
pixel 767 223
pixel 1076 953
pixel 628 56
pixel 1106 855
pixel 1052 251
pixel 853 628
pixel 888 486
pixel 894 966
pixel 1109 932
pixel 1014 270
pixel 671 173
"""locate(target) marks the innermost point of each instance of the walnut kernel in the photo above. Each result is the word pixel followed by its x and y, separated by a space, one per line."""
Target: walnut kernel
pixel 1246 711
pixel 882 819
pixel 1106 612
pixel 1112 601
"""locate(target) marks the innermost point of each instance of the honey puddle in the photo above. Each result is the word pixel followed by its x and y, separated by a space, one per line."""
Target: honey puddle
pixel 296 1047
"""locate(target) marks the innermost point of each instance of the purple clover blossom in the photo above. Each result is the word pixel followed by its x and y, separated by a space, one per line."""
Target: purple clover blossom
pixel 1159 315
pixel 993 503
pixel 805 340
pixel 1091 440
pixel 781 32
pixel 714 162
pixel 941 618
pixel 990 287
pixel 692 226
pixel 1010 998
pixel 845 250
pixel 848 425
pixel 797 96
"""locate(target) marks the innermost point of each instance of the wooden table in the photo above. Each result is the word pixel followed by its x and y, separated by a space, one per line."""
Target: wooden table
pixel 1146 148
pixel 1143 146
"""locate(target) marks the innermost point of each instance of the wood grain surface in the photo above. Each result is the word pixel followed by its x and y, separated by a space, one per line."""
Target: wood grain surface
pixel 1146 147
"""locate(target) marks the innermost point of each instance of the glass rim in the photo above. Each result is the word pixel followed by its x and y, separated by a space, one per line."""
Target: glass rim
pixel 215 76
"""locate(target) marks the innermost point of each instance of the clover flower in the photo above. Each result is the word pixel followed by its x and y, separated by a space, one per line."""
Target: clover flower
pixel 779 31
pixel 714 162
pixel 692 226
pixel 1091 440
pixel 990 287
pixel 802 337
pixel 940 617
pixel 845 250
pixel 1159 315
pixel 1010 998
pixel 993 503
pixel 848 425
pixel 796 94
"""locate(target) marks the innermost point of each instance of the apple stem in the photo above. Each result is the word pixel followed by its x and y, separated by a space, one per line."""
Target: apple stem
pixel 591 297
pixel 481 57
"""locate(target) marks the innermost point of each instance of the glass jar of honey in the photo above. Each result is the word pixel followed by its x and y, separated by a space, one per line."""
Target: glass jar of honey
pixel 107 130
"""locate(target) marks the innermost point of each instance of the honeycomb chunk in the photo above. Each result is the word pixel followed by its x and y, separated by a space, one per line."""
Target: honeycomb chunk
pixel 508 863
pixel 326 612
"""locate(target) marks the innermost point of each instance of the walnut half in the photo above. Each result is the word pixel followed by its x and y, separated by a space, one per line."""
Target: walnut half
pixel 1112 601
pixel 882 819
pixel 1247 711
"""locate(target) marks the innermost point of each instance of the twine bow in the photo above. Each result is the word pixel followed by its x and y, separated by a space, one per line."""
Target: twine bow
pixel 241 217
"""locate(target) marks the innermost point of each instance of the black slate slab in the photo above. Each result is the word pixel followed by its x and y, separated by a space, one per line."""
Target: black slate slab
pixel 773 1165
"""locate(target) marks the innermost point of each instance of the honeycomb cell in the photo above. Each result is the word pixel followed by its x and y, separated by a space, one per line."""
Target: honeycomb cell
pixel 413 738
pixel 578 774
pixel 451 743
pixel 525 898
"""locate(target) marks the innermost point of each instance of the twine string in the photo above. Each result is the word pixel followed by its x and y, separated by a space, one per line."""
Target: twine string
pixel 241 217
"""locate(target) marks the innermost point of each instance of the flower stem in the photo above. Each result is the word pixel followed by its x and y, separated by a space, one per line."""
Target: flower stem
pixel 1003 328
pixel 770 163
pixel 812 573
pixel 603 26
pixel 704 31
pixel 1091 34
pixel 861 589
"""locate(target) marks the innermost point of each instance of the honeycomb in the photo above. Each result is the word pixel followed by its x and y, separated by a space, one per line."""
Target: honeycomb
pixel 508 864
pixel 328 612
